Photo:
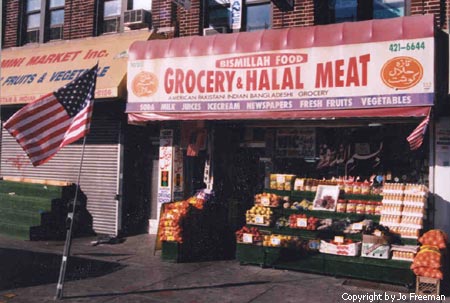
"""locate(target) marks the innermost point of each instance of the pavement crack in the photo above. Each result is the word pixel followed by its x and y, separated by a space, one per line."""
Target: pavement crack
pixel 261 294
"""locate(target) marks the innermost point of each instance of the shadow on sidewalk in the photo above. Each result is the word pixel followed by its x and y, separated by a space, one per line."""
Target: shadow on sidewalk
pixel 21 268
pixel 142 292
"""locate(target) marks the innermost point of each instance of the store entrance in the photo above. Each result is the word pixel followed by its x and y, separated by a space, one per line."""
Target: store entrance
pixel 238 171
pixel 141 153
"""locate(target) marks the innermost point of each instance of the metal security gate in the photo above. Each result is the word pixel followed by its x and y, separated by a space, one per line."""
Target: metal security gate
pixel 100 177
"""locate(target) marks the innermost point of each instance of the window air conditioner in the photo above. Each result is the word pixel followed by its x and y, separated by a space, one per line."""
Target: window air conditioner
pixel 138 18
pixel 214 30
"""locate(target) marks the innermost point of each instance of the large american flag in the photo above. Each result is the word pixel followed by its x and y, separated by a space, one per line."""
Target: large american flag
pixel 415 139
pixel 55 120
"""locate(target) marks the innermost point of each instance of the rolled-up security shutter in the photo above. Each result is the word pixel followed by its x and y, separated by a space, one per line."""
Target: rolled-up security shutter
pixel 100 170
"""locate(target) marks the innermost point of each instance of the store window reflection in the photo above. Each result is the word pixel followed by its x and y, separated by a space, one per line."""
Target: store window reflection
pixel 336 11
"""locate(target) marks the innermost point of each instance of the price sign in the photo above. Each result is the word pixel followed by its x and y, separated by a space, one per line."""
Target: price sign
pixel 357 226
pixel 259 219
pixel 247 238
pixel 299 183
pixel 339 239
pixel 280 178
pixel 265 201
pixel 302 222
pixel 275 241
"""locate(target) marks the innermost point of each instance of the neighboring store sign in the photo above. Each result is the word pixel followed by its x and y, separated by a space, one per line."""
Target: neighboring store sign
pixel 366 75
pixel 236 14
pixel 165 184
pixel 186 4
pixel 27 73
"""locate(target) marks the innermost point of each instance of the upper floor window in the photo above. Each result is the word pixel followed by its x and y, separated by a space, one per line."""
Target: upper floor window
pixel 256 15
pixel 112 11
pixel 336 11
pixel 44 20
pixel 56 19
pixel 140 4
pixel 33 21
pixel 114 18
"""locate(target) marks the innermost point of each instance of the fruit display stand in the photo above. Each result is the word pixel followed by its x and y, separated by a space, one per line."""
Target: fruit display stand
pixel 192 230
pixel 381 270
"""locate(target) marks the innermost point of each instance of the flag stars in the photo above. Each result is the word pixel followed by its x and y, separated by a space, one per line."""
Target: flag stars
pixel 77 94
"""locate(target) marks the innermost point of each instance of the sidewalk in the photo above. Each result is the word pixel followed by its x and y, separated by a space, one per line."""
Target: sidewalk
pixel 130 272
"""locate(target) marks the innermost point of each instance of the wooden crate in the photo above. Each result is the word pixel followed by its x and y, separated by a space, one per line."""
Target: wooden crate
pixel 427 286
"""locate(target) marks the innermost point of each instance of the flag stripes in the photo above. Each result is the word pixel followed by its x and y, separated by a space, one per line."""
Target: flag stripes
pixel 57 119
pixel 415 139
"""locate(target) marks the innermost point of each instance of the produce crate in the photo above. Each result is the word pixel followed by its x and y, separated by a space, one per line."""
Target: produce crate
pixel 427 286
pixel 352 249
pixel 375 247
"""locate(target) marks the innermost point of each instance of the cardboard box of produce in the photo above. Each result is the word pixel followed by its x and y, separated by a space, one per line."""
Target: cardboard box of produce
pixel 375 247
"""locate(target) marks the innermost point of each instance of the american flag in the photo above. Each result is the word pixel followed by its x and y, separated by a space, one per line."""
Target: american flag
pixel 55 120
pixel 415 139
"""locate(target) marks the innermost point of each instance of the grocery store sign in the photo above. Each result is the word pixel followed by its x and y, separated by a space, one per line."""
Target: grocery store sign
pixel 366 75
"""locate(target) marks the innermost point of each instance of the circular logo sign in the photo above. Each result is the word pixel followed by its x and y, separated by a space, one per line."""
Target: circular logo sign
pixel 402 72
pixel 144 84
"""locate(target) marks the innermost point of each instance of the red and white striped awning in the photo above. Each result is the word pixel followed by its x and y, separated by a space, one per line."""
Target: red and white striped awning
pixel 149 61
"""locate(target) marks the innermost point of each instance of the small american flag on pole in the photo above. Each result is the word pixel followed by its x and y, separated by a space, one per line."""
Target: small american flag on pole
pixel 415 139
pixel 55 120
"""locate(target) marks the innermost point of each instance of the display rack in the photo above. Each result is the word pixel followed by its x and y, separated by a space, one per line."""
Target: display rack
pixel 389 271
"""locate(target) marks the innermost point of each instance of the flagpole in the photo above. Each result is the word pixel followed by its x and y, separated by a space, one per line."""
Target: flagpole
pixel 67 245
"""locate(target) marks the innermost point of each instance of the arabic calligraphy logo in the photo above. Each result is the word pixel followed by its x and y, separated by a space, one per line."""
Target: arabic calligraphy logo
pixel 144 84
pixel 402 72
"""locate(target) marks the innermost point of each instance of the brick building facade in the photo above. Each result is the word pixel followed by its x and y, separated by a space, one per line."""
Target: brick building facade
pixel 80 19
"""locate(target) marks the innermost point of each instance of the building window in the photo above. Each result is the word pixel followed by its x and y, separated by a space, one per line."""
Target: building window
pixel 336 11
pixel 56 16
pixel 218 15
pixel 256 15
pixel 140 4
pixel 112 10
pixel 119 15
pixel 33 21
pixel 44 20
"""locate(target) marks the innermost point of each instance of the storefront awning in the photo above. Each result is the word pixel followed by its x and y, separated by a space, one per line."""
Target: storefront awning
pixel 407 112
pixel 376 68
pixel 32 71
